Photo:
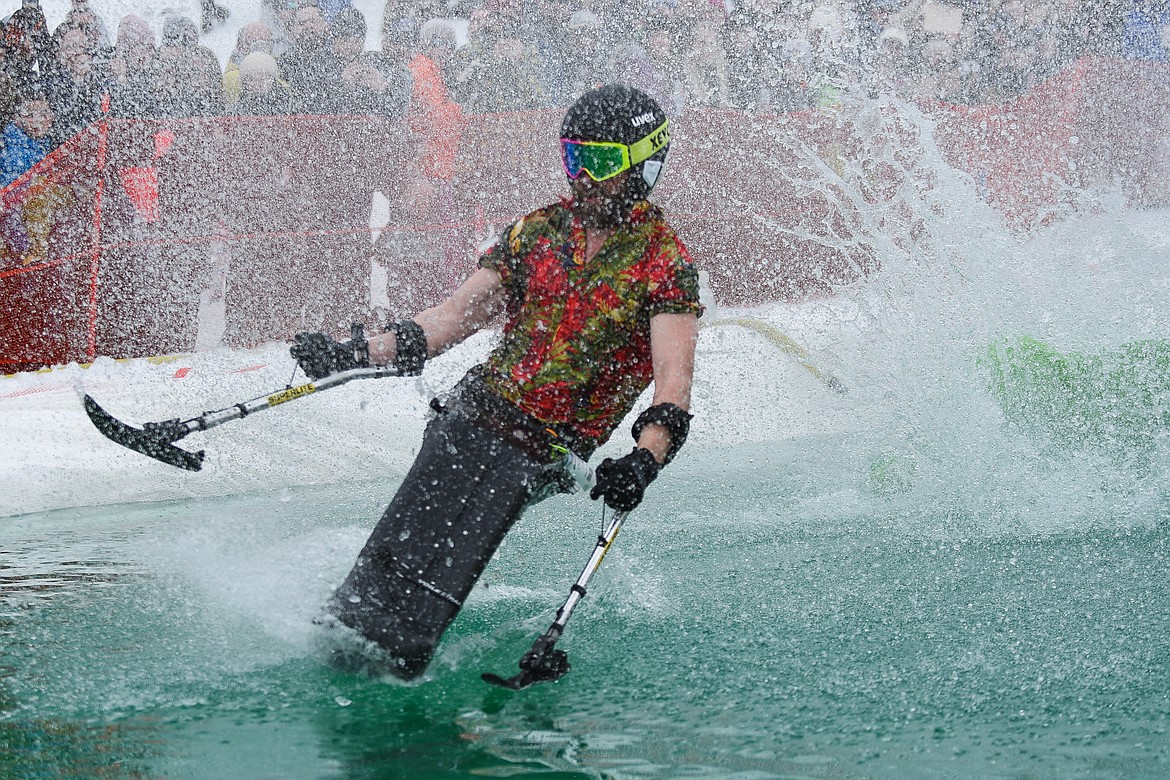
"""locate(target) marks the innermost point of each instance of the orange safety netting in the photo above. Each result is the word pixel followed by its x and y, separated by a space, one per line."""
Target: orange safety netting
pixel 113 244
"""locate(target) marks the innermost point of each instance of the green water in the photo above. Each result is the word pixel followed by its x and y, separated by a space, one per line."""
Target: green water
pixel 772 625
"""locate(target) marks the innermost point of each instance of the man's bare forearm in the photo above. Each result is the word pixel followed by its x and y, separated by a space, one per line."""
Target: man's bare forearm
pixel 468 310
pixel 672 339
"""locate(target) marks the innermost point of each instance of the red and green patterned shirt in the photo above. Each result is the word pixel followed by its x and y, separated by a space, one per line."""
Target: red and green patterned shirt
pixel 576 346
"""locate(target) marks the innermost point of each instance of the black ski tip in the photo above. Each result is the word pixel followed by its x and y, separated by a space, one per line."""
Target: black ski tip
pixel 517 683
pixel 543 663
pixel 154 441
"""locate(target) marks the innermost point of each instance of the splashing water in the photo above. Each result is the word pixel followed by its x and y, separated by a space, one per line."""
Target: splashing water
pixel 901 581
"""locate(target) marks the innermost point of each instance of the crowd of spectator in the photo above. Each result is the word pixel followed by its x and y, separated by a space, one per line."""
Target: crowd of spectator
pixel 766 56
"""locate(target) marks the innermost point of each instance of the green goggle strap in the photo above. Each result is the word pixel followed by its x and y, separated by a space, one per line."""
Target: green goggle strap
pixel 645 148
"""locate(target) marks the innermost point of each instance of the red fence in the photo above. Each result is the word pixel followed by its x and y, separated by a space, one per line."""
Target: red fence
pixel 1101 122
pixel 111 246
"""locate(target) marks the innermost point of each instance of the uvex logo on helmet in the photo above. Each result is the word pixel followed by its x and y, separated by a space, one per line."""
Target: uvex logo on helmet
pixel 642 119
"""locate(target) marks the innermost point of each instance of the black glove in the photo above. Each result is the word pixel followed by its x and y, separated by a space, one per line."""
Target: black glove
pixel 319 355
pixel 623 481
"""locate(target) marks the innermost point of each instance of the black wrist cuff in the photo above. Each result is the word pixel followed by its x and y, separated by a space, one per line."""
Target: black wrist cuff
pixel 648 465
pixel 674 418
pixel 410 347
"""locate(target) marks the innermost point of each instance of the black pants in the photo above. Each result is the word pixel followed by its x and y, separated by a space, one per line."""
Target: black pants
pixel 474 475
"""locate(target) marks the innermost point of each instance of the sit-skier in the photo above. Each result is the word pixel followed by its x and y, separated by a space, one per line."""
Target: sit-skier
pixel 600 298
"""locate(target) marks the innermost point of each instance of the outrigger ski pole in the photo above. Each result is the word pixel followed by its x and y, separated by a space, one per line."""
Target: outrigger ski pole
pixel 156 439
pixel 543 662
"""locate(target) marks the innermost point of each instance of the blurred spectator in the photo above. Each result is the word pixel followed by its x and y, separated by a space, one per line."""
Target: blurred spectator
pixel 496 71
pixel 8 97
pixel 26 137
pixel 436 124
pixel 370 85
pixel 14 243
pixel 398 46
pixel 252 37
pixel 76 84
pixel 632 66
pixel 663 39
pixel 969 61
pixel 132 70
pixel 938 74
pixel 278 14
pixel 587 62
pixel 462 56
pixel 309 66
pixel 545 26
pixel 1147 31
pixel 706 67
pixel 28 223
pixel 1008 45
pixel 262 92
pixel 399 30
pixel 891 65
pixel 435 118
pixel 188 81
pixel 628 49
pixel 332 9
pixel 28 47
pixel 794 79
pixel 82 16
pixel 465 65
pixel 1048 44
pixel 834 54
pixel 752 71
pixel 874 18
pixel 212 15
pixel 1091 28
pixel 348 35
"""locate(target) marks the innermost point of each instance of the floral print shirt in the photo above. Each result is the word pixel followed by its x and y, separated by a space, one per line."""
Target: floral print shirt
pixel 576 345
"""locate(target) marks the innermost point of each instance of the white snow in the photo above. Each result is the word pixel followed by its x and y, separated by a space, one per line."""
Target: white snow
pixel 747 389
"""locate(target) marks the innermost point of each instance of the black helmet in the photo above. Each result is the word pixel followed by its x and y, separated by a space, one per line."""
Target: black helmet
pixel 620 114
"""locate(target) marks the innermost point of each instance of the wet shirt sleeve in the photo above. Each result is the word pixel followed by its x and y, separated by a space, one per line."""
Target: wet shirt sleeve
pixel 503 257
pixel 672 280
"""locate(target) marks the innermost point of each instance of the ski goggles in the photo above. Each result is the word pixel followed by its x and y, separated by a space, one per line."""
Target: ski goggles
pixel 605 159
